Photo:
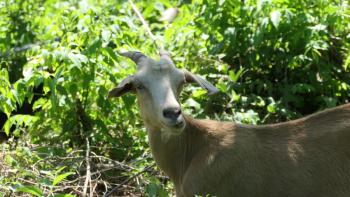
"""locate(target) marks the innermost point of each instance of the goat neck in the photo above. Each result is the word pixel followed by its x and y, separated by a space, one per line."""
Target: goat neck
pixel 175 153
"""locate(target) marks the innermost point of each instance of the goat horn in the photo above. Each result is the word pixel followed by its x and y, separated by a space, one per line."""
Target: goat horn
pixel 165 55
pixel 133 55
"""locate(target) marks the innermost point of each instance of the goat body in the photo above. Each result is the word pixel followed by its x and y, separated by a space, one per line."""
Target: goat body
pixel 305 157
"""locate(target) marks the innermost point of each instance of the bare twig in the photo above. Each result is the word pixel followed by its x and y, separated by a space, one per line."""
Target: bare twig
pixel 122 165
pixel 90 178
pixel 145 25
pixel 128 179
pixel 88 172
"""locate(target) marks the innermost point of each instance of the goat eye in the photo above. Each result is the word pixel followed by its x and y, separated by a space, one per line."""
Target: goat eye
pixel 140 87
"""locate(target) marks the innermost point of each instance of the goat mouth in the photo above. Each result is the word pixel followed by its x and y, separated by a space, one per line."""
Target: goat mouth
pixel 176 125
pixel 179 124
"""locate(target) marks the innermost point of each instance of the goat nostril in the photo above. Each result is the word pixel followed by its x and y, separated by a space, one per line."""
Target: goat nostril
pixel 171 113
pixel 177 111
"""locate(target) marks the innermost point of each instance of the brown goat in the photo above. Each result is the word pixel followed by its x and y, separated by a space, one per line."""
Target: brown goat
pixel 302 158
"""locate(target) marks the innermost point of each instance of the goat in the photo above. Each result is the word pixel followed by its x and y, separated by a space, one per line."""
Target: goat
pixel 305 157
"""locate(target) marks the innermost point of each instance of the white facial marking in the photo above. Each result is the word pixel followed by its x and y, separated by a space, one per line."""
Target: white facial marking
pixel 159 96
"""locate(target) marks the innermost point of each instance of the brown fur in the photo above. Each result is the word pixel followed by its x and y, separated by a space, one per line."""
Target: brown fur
pixel 305 157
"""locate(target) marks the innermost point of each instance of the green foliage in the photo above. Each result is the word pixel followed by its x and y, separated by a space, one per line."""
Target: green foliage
pixel 272 60
pixel 19 121
pixel 295 52
pixel 154 189
pixel 30 190
pixel 26 172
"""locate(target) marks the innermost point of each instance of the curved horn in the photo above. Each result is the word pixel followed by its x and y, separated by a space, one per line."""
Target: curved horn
pixel 164 53
pixel 134 55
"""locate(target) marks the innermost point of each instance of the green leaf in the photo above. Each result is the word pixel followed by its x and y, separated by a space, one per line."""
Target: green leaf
pixel 4 75
pixel 10 161
pixel 30 190
pixel 198 93
pixel 58 72
pixel 77 59
pixel 64 195
pixel 7 126
pixel 235 76
pixel 271 108
pixel 40 103
pixel 346 64
pixel 192 103
pixel 275 17
pixel 60 169
pixel 61 177
pixel 106 35
pixel 109 52
pixel 222 86
pixel 7 107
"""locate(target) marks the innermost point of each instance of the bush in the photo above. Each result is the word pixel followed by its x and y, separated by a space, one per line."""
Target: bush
pixel 272 60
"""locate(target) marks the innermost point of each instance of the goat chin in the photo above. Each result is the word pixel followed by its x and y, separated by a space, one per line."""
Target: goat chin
pixel 168 132
pixel 304 157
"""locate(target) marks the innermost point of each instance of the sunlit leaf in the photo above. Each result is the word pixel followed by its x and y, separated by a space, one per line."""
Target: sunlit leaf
pixel 346 64
pixel 275 17
pixel 60 178
pixel 30 190
pixel 64 195
pixel 7 126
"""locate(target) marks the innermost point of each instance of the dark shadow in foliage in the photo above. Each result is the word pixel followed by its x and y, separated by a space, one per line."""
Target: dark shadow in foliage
pixel 20 37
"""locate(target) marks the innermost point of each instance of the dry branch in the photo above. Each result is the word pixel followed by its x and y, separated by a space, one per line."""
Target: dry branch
pixel 128 179
pixel 88 170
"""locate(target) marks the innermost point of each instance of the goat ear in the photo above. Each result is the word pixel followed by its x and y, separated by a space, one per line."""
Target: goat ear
pixel 193 78
pixel 122 88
